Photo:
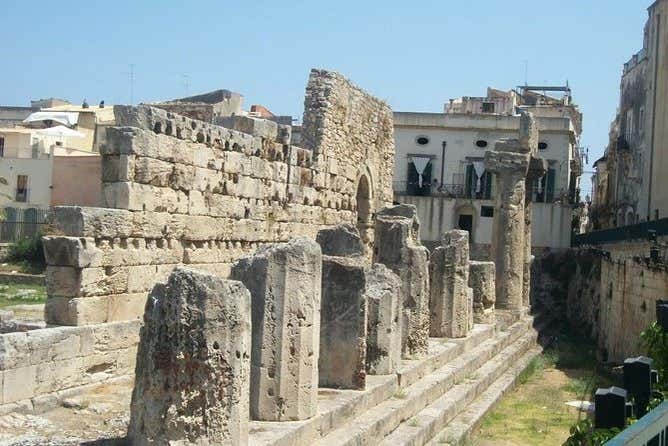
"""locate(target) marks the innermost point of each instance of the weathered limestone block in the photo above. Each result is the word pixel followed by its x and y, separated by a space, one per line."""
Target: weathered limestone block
pixel 397 246
pixel 529 134
pixel 341 241
pixel 383 341
pixel 507 250
pixel 343 324
pixel 481 280
pixel 77 252
pixel 450 305
pixel 285 284
pixel 537 168
pixel 191 379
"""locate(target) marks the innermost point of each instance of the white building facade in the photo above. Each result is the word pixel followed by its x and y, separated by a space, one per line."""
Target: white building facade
pixel 439 165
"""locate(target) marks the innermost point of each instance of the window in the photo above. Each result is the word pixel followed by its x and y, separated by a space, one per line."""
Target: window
pixel 542 145
pixel 477 188
pixel 629 125
pixel 641 118
pixel 22 188
pixel 486 211
pixel 481 143
pixel 488 107
pixel 544 187
pixel 2 146
pixel 422 140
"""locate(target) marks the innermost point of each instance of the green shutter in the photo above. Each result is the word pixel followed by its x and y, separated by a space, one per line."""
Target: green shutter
pixel 469 187
pixel 549 191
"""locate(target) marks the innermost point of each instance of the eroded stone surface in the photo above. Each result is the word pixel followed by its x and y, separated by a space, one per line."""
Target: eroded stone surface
pixel 341 241
pixel 397 246
pixel 482 283
pixel 383 341
pixel 342 362
pixel 284 280
pixel 191 379
pixel 507 250
pixel 450 296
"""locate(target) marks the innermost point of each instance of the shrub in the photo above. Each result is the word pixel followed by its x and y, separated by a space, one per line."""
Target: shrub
pixel 27 250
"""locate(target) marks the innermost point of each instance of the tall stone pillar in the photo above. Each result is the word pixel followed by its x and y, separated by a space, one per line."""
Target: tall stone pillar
pixel 450 296
pixel 397 246
pixel 343 312
pixel 537 168
pixel 507 250
pixel 284 281
pixel 191 377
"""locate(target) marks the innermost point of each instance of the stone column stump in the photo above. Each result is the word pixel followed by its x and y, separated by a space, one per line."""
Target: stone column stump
pixel 383 342
pixel 284 282
pixel 397 246
pixel 450 301
pixel 343 310
pixel 481 281
pixel 191 377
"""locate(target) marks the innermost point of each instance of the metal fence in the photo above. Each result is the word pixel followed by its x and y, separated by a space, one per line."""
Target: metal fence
pixel 17 224
pixel 650 430
pixel 637 231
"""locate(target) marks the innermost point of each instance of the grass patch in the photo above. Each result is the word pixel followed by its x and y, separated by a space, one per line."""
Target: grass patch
pixel 15 294
pixel 535 411
pixel 400 394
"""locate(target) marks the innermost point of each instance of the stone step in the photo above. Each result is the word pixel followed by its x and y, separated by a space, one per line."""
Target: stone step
pixel 420 428
pixel 336 407
pixel 461 427
pixel 373 425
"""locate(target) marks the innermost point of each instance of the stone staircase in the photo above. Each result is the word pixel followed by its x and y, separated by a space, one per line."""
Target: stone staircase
pixel 434 400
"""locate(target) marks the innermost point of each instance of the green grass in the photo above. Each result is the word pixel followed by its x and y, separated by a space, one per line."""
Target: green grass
pixel 535 412
pixel 14 294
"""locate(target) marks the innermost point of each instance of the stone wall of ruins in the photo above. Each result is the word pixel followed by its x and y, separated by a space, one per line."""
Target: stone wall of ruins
pixel 612 299
pixel 182 191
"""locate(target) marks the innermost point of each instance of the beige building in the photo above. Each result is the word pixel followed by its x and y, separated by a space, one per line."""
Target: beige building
pixel 636 159
pixel 52 158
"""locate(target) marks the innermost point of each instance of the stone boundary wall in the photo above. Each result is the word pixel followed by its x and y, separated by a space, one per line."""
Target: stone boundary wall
pixel 612 299
pixel 181 191
pixel 40 367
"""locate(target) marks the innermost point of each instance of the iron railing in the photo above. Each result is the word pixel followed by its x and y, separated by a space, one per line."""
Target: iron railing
pixel 650 430
pixel 637 231
pixel 17 224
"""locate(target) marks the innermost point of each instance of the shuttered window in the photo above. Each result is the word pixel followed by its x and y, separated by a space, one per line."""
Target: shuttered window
pixel 22 188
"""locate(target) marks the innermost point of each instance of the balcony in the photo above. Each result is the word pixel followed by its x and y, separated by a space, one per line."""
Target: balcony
pixel 458 190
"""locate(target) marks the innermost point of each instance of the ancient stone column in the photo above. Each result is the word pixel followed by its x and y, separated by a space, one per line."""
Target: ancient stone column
pixel 191 377
pixel 507 250
pixel 343 311
pixel 383 342
pixel 528 143
pixel 397 246
pixel 481 281
pixel 537 168
pixel 449 303
pixel 284 282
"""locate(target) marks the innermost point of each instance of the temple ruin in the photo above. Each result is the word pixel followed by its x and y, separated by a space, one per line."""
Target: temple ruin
pixel 257 292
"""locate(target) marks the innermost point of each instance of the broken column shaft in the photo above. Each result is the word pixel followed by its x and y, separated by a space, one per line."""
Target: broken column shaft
pixel 537 169
pixel 284 281
pixel 397 246
pixel 507 248
pixel 191 377
pixel 450 302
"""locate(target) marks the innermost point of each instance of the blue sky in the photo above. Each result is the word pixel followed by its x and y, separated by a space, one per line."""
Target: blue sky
pixel 415 55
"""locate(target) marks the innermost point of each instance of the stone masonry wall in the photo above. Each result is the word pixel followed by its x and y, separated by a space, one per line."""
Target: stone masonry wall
pixel 38 367
pixel 181 191
pixel 612 299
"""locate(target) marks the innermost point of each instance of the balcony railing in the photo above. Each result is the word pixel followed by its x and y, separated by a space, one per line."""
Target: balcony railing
pixel 439 190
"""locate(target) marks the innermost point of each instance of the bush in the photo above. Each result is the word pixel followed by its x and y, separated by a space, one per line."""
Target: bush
pixel 28 250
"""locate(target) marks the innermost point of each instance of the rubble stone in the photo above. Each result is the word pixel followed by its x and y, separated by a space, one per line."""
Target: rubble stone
pixel 285 284
pixel 450 301
pixel 383 340
pixel 191 379
pixel 397 246
pixel 482 283
pixel 341 241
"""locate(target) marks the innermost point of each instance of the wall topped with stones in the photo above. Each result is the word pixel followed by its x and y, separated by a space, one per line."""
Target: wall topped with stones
pixel 181 191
